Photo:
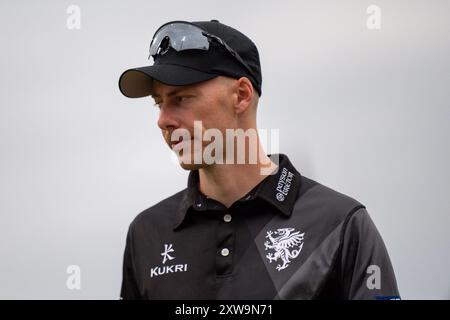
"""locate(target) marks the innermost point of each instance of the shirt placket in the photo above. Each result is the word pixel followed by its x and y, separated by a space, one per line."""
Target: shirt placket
pixel 225 244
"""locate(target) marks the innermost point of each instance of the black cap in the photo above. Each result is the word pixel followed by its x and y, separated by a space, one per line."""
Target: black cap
pixel 193 66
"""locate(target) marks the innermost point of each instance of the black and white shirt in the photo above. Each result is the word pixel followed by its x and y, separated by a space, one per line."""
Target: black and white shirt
pixel 290 237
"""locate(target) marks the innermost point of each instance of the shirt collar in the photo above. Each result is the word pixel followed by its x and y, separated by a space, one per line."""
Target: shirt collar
pixel 280 190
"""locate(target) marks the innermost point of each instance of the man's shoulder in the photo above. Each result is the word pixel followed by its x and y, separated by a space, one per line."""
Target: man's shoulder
pixel 324 201
pixel 162 212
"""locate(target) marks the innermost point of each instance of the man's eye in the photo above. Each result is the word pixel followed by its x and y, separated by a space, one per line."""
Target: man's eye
pixel 179 99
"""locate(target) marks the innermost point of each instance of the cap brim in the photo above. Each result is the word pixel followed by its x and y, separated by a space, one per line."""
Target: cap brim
pixel 138 82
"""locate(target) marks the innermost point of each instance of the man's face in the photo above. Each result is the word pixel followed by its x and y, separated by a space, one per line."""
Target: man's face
pixel 211 102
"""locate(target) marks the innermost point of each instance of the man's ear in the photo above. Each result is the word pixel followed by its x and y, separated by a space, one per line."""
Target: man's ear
pixel 245 92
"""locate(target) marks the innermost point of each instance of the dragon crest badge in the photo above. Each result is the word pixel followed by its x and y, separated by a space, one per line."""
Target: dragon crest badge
pixel 287 246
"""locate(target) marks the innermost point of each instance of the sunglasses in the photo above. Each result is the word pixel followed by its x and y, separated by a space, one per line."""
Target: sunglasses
pixel 183 35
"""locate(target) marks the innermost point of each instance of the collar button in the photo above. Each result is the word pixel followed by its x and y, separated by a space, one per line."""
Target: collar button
pixel 225 252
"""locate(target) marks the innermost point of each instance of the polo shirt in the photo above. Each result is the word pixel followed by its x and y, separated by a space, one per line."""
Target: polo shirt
pixel 290 237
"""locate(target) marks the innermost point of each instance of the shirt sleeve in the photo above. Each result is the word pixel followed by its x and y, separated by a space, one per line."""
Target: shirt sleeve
pixel 366 270
pixel 129 290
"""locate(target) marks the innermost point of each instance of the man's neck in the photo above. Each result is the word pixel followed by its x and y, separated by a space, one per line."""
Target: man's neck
pixel 228 183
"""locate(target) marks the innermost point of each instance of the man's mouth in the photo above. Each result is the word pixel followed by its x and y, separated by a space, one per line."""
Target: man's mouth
pixel 180 140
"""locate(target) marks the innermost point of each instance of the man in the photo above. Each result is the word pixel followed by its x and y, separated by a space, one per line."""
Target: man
pixel 249 229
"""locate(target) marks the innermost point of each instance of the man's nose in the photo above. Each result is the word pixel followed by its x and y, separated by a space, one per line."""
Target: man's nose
pixel 167 119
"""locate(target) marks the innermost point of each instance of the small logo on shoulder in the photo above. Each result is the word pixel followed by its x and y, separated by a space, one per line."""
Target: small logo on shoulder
pixel 387 298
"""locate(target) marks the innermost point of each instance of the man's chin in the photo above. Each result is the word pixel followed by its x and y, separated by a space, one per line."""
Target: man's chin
pixel 191 166
pixel 187 163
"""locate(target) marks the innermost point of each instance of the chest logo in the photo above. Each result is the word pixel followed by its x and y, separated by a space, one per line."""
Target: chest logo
pixel 165 269
pixel 167 249
pixel 286 244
